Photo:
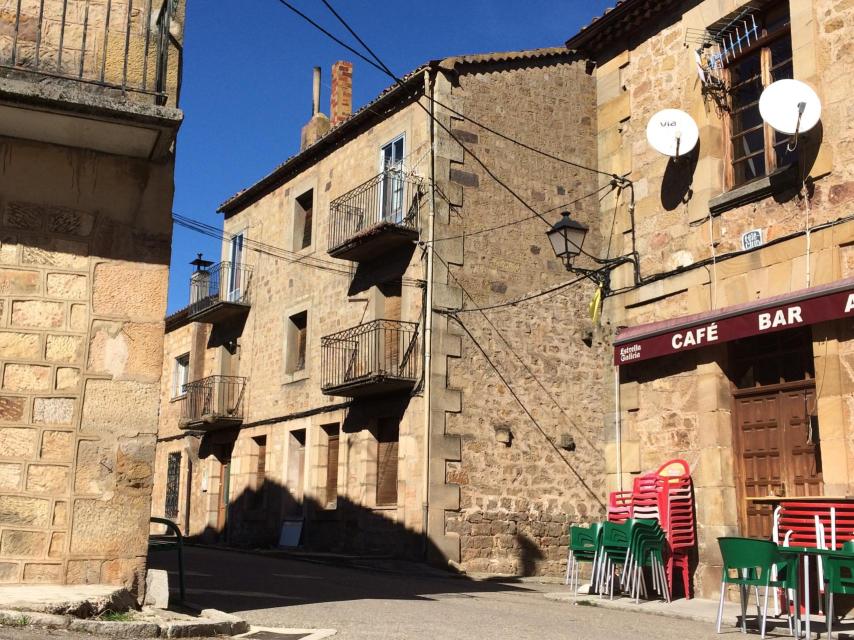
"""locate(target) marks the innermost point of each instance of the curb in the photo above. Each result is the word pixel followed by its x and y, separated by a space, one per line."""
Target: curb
pixel 586 601
pixel 211 623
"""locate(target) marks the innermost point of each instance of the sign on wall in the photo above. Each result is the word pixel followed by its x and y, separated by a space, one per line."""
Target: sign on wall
pixel 751 239
pixel 821 305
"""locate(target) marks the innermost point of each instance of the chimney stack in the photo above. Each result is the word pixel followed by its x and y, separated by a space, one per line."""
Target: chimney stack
pixel 318 126
pixel 315 92
pixel 341 98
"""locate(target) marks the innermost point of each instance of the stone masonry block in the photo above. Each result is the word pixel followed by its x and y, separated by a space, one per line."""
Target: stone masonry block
pixel 9 572
pixel 37 313
pixel 44 478
pixel 18 442
pixel 10 476
pixel 130 291
pixel 115 527
pixel 19 346
pixel 11 409
pixel 57 544
pixel 67 378
pixel 68 286
pixel 126 350
pixel 79 318
pixel 69 221
pixel 55 252
pixel 119 407
pixel 57 446
pixel 17 282
pixel 8 249
pixel 26 377
pixel 60 514
pixel 53 411
pixel 42 572
pixel 93 469
pixel 65 349
pixel 32 544
pixel 24 511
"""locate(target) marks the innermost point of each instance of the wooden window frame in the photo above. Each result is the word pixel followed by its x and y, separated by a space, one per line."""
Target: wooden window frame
pixel 330 484
pixel 303 221
pixel 180 363
pixel 763 45
pixel 387 450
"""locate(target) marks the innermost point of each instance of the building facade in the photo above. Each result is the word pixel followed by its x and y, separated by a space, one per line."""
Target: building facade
pixel 88 119
pixel 346 388
pixel 733 327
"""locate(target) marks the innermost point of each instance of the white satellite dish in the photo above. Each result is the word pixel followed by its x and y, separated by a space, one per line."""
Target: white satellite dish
pixel 790 106
pixel 672 132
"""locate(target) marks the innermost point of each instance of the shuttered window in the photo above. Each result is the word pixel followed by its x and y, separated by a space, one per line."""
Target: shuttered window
pixel 332 440
pixel 257 497
pixel 387 451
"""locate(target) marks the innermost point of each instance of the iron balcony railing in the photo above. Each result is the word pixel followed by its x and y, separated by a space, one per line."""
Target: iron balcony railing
pixel 226 282
pixel 121 44
pixel 391 198
pixel 213 399
pixel 370 352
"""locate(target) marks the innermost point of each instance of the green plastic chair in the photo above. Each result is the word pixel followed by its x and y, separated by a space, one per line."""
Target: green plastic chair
pixel 753 561
pixel 838 578
pixel 648 544
pixel 583 546
pixel 613 551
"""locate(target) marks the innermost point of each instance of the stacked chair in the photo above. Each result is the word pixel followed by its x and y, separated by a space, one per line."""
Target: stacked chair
pixel 583 547
pixel 652 526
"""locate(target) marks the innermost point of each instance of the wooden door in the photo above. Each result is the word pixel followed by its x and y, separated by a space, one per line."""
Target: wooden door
pixel 777 443
pixel 224 487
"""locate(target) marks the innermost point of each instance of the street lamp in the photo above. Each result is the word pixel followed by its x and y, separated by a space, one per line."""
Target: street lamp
pixel 567 236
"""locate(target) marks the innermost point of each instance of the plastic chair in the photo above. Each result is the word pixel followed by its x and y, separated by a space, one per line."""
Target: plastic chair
pixel 614 548
pixel 583 546
pixel 753 562
pixel 838 578
pixel 646 550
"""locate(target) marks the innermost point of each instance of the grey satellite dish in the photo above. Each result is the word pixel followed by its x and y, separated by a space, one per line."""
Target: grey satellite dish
pixel 672 132
pixel 790 107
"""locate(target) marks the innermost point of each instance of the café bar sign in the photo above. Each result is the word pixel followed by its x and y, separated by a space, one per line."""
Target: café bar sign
pixel 739 322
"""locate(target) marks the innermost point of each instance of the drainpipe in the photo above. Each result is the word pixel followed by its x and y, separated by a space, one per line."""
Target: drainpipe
pixel 618 435
pixel 429 79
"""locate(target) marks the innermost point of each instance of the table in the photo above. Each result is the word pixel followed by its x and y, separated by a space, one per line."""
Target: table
pixel 803 554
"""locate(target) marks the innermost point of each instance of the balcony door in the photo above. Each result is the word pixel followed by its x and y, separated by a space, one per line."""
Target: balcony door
pixel 391 191
pixel 235 270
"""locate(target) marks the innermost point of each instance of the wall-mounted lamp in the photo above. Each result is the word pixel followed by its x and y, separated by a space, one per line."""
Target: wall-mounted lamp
pixel 567 237
pixel 503 434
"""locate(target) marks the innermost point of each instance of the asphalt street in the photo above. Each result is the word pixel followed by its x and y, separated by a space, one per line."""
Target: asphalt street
pixel 363 604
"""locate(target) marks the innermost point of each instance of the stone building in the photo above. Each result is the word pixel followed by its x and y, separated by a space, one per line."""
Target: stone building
pixel 88 119
pixel 735 343
pixel 336 370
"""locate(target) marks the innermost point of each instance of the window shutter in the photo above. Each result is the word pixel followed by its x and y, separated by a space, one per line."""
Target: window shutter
pixel 332 470
pixel 387 453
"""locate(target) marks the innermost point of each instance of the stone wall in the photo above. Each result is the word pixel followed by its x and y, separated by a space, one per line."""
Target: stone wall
pixel 506 508
pixel 83 273
pixel 681 406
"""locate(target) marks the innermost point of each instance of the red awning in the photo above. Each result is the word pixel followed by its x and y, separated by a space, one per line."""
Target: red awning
pixel 797 309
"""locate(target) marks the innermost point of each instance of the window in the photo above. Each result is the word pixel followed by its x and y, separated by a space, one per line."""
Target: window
pixel 391 165
pixel 388 435
pixel 332 439
pixel 303 210
pixel 173 482
pixel 297 327
pixel 257 497
pixel 755 149
pixel 180 375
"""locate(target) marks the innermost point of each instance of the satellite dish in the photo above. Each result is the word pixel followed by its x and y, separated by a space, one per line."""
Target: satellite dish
pixel 790 106
pixel 672 132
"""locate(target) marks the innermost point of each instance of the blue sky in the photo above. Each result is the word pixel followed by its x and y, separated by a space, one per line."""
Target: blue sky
pixel 247 81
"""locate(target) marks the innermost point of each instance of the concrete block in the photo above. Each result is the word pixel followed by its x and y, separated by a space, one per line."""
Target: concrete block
pixel 157 589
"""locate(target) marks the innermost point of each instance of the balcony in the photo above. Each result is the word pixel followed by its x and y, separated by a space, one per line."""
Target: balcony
pixel 215 402
pixel 378 357
pixel 219 293
pixel 112 44
pixel 375 217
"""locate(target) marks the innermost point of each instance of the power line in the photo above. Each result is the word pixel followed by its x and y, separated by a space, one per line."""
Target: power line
pixel 384 68
pixel 515 222
pixel 526 410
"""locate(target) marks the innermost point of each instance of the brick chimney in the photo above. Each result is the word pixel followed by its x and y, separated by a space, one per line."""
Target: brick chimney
pixel 341 98
pixel 319 123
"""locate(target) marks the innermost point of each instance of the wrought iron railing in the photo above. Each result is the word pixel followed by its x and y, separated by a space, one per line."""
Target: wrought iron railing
pixel 121 44
pixel 223 282
pixel 393 197
pixel 379 349
pixel 213 398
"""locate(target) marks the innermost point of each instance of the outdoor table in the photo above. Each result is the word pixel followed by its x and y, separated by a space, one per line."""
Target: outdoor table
pixel 803 554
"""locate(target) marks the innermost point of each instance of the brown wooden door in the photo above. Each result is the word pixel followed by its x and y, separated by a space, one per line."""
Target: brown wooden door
pixel 777 444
